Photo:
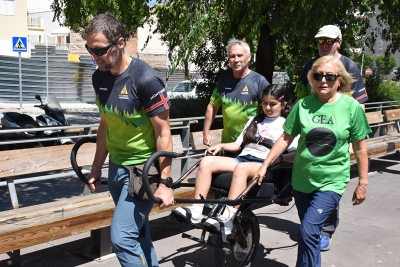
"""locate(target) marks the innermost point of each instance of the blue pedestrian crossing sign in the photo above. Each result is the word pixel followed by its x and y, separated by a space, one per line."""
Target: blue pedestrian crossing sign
pixel 19 44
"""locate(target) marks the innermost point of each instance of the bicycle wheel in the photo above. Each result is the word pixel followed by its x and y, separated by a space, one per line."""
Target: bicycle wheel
pixel 239 256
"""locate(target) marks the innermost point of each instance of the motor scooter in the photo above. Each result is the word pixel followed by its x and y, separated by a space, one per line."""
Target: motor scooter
pixel 53 116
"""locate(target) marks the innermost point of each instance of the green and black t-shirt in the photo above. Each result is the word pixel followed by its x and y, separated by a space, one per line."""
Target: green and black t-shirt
pixel 127 102
pixel 240 99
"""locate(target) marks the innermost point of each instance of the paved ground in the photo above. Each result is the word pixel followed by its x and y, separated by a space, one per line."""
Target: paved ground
pixel 368 235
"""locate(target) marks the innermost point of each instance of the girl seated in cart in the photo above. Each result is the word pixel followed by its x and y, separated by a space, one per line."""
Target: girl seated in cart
pixel 254 142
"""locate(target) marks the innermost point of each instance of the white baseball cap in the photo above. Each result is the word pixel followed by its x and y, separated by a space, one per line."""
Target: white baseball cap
pixel 330 31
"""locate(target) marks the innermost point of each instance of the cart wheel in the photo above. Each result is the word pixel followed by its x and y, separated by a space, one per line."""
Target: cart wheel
pixel 236 255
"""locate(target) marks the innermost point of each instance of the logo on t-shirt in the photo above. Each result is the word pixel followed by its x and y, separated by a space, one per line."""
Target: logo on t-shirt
pixel 124 93
pixel 320 141
pixel 245 90
pixel 103 89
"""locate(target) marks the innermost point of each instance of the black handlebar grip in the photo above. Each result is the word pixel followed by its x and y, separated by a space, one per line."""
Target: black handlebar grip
pixel 74 151
pixel 146 169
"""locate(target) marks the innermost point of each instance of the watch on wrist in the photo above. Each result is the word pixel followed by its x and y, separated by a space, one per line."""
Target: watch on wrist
pixel 167 181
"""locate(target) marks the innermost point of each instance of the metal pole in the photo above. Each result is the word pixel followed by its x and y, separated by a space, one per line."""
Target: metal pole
pixel 47 71
pixel 20 80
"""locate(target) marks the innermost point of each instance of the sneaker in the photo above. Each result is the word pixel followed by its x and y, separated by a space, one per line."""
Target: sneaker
pixel 325 243
pixel 226 218
pixel 192 213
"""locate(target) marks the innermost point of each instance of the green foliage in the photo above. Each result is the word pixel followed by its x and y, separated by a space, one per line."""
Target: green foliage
pixel 385 64
pixel 390 91
pixel 368 60
pixel 192 107
pixel 280 32
pixel 372 85
pixel 386 91
pixel 77 14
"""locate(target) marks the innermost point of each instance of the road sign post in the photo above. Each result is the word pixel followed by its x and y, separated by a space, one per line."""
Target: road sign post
pixel 19 45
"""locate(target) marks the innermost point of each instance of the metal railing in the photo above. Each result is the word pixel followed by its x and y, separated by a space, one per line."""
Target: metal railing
pixel 184 128
pixel 381 106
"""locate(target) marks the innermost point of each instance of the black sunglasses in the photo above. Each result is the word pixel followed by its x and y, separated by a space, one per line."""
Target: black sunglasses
pixel 328 41
pixel 328 77
pixel 100 51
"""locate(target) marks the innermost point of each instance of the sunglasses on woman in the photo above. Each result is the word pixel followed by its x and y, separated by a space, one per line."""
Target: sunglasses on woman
pixel 100 51
pixel 328 41
pixel 328 77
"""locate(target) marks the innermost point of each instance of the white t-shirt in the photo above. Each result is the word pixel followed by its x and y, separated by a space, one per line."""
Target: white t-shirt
pixel 269 128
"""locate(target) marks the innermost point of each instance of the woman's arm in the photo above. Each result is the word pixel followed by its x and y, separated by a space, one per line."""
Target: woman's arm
pixel 360 151
pixel 277 149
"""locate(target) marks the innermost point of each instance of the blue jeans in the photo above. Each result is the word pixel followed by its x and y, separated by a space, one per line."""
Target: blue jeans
pixel 313 210
pixel 248 158
pixel 130 232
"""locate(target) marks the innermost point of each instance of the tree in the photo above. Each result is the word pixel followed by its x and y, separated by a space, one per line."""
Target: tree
pixel 366 63
pixel 385 64
pixel 77 14
pixel 280 32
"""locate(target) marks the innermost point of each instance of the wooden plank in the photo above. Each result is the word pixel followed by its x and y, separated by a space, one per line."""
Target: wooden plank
pixel 42 159
pixel 37 224
pixel 177 144
pixel 374 117
pixel 196 139
pixel 392 114
pixel 383 138
pixel 378 149
pixel 45 159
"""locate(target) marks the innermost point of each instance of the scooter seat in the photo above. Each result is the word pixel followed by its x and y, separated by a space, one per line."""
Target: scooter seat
pixel 22 120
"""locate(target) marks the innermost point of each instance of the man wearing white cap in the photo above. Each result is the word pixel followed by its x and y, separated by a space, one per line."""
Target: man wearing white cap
pixel 329 39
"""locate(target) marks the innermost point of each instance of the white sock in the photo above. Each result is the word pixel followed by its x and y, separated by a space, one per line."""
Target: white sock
pixel 229 213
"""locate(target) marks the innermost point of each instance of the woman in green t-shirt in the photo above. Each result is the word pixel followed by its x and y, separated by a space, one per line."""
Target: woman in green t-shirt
pixel 327 121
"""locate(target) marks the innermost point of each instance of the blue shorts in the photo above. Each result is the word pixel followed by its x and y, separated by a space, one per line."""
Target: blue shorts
pixel 249 158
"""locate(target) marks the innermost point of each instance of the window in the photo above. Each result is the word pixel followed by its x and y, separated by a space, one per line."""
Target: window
pixel 380 45
pixel 7 7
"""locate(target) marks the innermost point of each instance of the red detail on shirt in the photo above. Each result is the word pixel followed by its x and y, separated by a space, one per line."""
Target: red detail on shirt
pixel 164 101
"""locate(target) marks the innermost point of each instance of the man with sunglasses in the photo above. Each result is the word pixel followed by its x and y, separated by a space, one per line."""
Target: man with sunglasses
pixel 134 123
pixel 329 40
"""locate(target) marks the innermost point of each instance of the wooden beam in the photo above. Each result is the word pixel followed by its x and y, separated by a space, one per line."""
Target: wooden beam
pixel 196 139
pixel 42 159
pixel 374 117
pixel 28 226
pixel 392 114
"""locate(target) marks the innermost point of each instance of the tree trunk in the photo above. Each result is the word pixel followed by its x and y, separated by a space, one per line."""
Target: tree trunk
pixel 265 56
pixel 187 74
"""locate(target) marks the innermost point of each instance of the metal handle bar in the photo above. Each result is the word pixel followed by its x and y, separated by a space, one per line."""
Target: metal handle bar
pixel 146 169
pixel 233 202
pixel 74 163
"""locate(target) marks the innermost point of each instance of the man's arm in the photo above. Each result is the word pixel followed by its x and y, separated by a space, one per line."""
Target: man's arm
pixel 211 111
pixel 99 157
pixel 164 142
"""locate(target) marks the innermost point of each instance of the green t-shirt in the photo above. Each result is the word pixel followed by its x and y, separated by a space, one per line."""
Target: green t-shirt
pixel 240 99
pixel 127 102
pixel 322 159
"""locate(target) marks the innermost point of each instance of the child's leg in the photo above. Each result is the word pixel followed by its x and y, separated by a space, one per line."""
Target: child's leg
pixel 243 172
pixel 208 166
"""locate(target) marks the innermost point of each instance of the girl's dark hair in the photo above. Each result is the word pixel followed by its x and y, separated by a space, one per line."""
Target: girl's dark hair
pixel 279 92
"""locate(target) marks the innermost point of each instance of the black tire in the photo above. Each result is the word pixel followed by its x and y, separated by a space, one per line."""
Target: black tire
pixel 238 257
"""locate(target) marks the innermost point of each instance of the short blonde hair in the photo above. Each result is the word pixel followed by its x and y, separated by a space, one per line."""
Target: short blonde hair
pixel 344 77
